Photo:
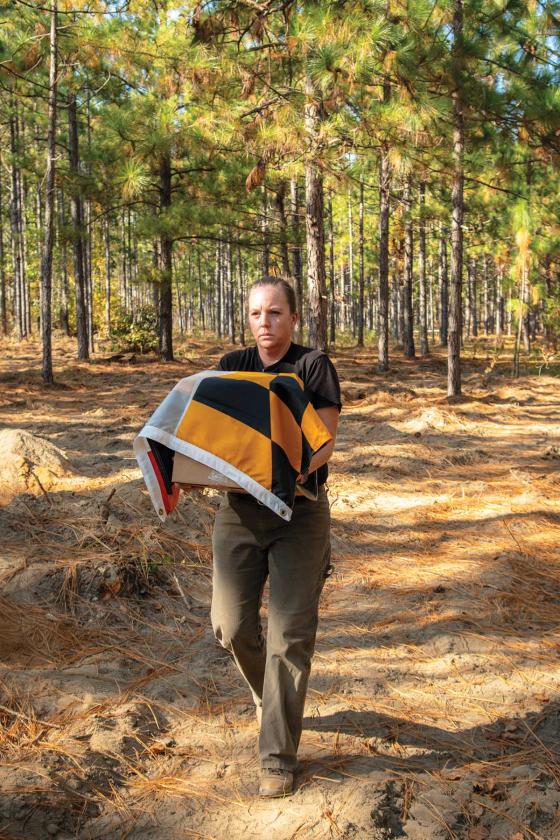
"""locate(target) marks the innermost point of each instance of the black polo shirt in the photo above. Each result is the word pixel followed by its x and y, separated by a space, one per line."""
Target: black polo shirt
pixel 313 367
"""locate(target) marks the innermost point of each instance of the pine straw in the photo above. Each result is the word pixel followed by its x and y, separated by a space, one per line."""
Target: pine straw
pixel 30 635
pixel 434 721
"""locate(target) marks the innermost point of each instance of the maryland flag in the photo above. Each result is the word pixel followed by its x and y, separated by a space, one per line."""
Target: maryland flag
pixel 257 429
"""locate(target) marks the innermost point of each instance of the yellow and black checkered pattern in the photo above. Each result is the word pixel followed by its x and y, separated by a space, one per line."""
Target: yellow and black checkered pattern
pixel 261 423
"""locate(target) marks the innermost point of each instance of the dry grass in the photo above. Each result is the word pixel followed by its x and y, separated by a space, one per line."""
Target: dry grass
pixel 434 696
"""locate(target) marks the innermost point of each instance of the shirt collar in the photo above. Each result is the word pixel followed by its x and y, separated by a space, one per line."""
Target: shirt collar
pixel 285 358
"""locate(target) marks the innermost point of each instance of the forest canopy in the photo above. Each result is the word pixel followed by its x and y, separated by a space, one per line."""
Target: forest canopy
pixel 397 161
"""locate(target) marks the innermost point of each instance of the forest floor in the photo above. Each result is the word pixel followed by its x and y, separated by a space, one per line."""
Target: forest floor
pixel 433 709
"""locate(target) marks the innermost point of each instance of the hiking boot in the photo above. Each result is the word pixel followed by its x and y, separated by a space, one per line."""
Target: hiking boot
pixel 276 782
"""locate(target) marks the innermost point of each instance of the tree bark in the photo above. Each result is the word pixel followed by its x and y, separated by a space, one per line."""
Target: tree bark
pixel 526 311
pixel 280 201
pixel 314 200
pixel 218 282
pixel 15 231
pixel 181 312
pixel 349 297
pixel 383 294
pixel 548 331
pixel 231 295
pixel 485 295
pixel 457 209
pixel 297 261
pixel 265 234
pixel 408 312
pixel 473 310
pixel 108 277
pixel 201 315
pixel 166 246
pixel 422 297
pixel 88 244
pixel 520 322
pixel 3 300
pixel 332 280
pixel 23 246
pixel 78 233
pixel 360 315
pixel 64 315
pixel 47 255
pixel 443 289
pixel 241 295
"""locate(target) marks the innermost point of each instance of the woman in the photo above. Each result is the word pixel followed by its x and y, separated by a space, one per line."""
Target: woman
pixel 251 544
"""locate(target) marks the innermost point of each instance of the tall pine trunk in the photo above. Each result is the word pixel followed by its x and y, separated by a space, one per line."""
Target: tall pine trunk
pixel 201 316
pixel 408 312
pixel 24 252
pixel 15 231
pixel 422 296
pixel 218 291
pixel 486 295
pixel 63 313
pixel 548 330
pixel 241 296
pixel 297 262
pixel 314 200
pixel 3 300
pixel 349 296
pixel 526 317
pixel 280 202
pixel 520 320
pixel 108 276
pixel 265 234
pixel 47 255
pixel 88 245
pixel 183 316
pixel 383 295
pixel 156 281
pixel 394 298
pixel 332 280
pixel 360 315
pixel 230 294
pixel 473 307
pixel 457 210
pixel 166 245
pixel 443 288
pixel 77 229
pixel 499 303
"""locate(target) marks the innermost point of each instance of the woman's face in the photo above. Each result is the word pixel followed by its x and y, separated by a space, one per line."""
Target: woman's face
pixel 270 319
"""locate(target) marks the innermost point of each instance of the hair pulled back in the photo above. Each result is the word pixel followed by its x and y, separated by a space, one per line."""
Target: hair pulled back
pixel 278 283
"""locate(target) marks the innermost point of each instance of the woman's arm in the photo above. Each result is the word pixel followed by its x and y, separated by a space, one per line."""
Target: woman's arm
pixel 329 416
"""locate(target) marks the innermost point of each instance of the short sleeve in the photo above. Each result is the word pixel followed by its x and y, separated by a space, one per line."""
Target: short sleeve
pixel 321 382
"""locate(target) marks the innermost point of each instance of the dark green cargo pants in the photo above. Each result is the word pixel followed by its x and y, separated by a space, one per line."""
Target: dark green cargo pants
pixel 251 544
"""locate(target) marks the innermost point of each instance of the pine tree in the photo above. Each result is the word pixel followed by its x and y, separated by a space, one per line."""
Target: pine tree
pixel 47 256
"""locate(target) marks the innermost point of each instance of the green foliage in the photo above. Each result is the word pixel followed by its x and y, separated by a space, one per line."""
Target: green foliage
pixel 218 89
pixel 138 334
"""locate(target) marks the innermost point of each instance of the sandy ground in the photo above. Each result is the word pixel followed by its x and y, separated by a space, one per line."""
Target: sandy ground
pixel 433 705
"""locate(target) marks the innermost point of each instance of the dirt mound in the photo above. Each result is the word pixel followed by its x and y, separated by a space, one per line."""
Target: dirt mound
pixel 29 464
pixel 430 419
